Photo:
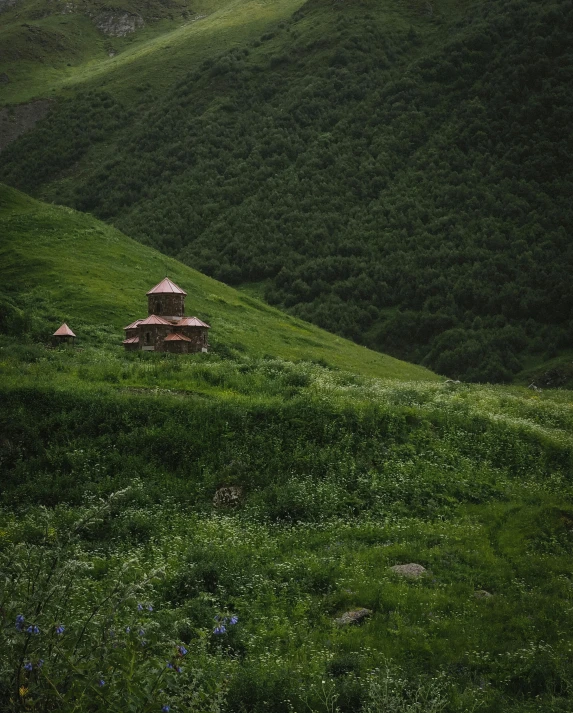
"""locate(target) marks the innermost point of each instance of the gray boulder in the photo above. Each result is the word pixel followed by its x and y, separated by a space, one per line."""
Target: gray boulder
pixel 411 571
pixel 229 496
pixel 353 617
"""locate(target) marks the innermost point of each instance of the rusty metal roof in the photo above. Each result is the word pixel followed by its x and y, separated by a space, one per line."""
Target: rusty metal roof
pixel 131 340
pixel 133 325
pixel 154 319
pixel 166 286
pixel 63 331
pixel 191 322
pixel 174 337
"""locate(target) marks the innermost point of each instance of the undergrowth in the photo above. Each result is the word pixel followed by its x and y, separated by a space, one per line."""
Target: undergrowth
pixel 340 476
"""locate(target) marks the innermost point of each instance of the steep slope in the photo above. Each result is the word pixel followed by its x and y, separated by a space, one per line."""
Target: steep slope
pixel 398 174
pixel 59 264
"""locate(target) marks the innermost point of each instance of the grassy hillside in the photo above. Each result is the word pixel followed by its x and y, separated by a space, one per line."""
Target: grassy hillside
pixel 394 172
pixel 341 478
pixel 125 588
pixel 58 264
pixel 51 47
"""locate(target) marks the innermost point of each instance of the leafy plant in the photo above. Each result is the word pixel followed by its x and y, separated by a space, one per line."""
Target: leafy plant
pixel 79 634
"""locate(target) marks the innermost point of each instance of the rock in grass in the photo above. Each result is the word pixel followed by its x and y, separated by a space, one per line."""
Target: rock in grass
pixel 118 24
pixel 482 594
pixel 353 617
pixel 229 497
pixel 411 571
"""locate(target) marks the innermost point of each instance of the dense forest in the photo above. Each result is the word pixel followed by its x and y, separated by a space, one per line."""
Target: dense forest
pixel 407 184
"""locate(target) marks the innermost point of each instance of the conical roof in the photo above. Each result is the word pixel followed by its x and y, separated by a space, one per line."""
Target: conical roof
pixel 166 286
pixel 64 331
pixel 191 322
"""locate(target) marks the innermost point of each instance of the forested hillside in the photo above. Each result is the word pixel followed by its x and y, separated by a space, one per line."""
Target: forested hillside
pixel 397 173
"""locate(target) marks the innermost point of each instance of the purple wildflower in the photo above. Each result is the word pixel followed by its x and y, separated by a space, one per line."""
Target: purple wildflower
pixel 169 664
pixel 20 619
pixel 182 650
pixel 149 607
pixel 233 620
pixel 221 629
pixel 127 629
pixel 165 709
pixel 28 666
pixel 60 629
pixel 40 663
pixel 101 683
pixel 33 629
pixel 140 607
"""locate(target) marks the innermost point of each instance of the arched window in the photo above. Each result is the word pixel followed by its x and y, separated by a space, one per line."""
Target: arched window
pixel 147 337
pixel 158 307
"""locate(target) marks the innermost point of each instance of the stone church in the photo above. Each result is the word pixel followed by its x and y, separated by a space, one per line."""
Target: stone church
pixel 166 329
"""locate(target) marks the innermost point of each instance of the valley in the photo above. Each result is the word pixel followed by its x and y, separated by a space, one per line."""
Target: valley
pixel 359 498
pixel 357 160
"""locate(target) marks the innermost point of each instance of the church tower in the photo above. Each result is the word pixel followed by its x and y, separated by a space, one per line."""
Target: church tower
pixel 166 300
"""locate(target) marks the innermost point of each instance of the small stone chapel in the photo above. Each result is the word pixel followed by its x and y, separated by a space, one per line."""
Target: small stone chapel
pixel 166 329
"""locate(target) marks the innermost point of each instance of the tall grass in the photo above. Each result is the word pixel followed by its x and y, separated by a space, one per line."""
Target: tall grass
pixel 342 477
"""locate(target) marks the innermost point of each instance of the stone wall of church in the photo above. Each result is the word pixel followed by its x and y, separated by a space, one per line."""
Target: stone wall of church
pixel 151 336
pixel 166 305
pixel 198 337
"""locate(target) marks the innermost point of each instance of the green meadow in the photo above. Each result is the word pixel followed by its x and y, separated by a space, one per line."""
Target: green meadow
pixel 124 588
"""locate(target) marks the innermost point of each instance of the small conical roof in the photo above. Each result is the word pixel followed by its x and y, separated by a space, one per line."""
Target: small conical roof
pixel 166 286
pixel 64 331
pixel 133 325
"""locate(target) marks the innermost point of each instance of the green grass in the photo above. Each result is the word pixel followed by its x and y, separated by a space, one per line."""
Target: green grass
pixel 341 480
pixel 93 275
pixel 349 461
pixel 553 373
pixel 73 53
pixel 343 475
